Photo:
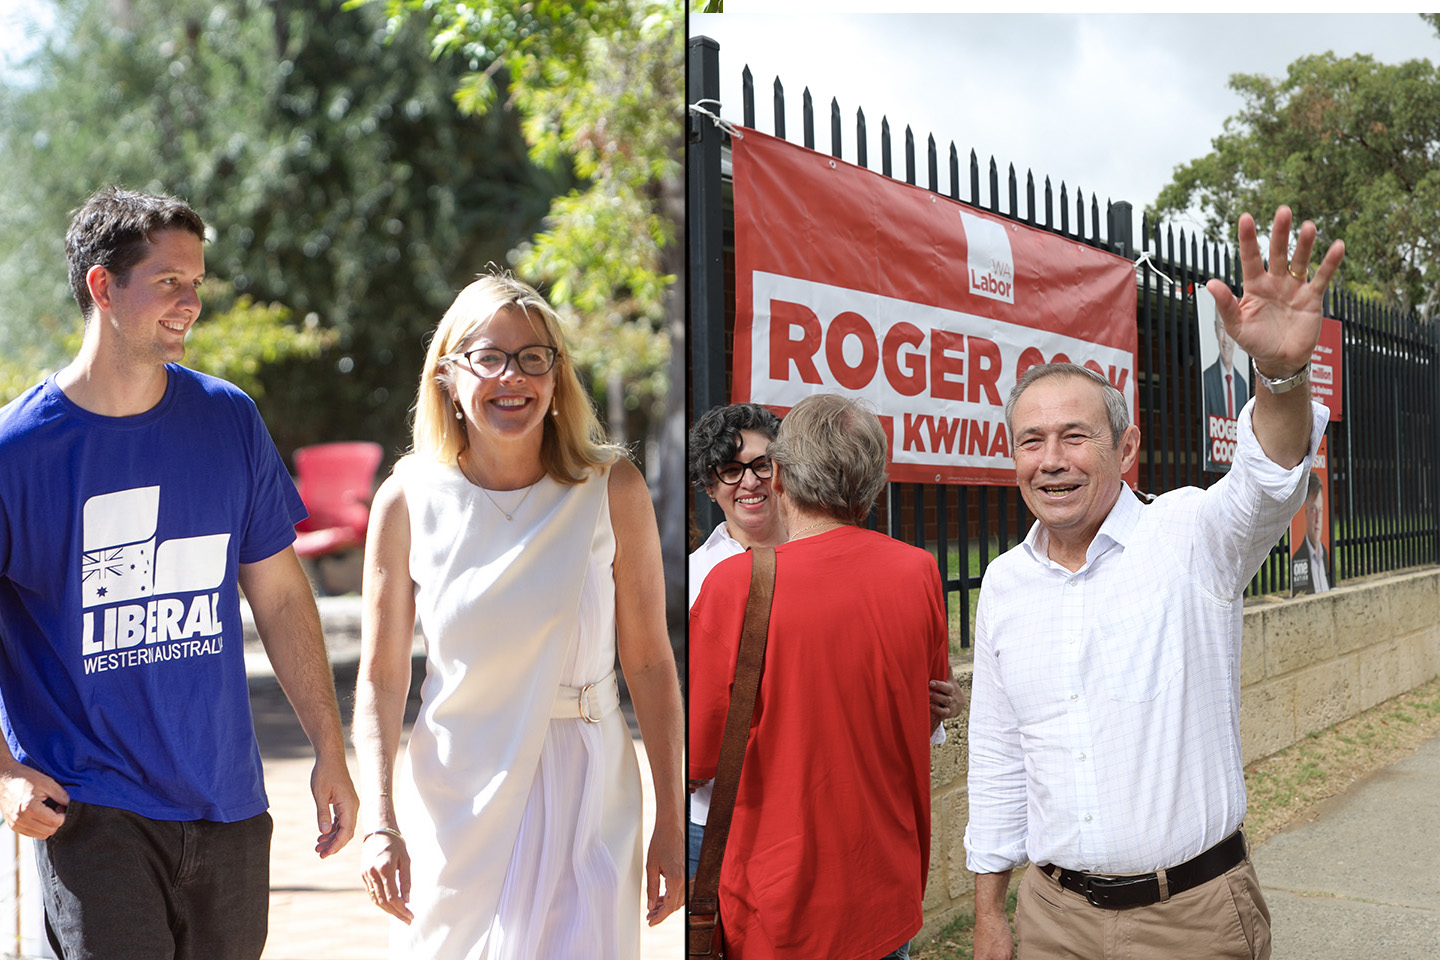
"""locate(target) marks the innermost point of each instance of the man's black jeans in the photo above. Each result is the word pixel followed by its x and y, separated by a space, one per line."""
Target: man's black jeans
pixel 119 886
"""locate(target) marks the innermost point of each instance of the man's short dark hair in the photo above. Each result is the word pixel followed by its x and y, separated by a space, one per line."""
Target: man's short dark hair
pixel 715 438
pixel 112 230
pixel 1313 486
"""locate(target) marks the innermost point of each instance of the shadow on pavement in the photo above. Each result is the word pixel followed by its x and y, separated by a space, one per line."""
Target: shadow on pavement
pixel 278 730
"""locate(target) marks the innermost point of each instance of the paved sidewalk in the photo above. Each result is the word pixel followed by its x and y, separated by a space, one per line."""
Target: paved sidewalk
pixel 1362 879
pixel 318 909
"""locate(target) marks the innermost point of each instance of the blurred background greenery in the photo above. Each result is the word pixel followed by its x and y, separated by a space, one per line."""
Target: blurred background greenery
pixel 358 164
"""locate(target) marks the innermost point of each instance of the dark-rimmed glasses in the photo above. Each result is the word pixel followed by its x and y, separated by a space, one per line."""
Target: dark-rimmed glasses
pixel 534 360
pixel 733 472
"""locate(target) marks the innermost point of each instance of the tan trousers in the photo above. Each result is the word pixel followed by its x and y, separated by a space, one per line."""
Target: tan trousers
pixel 1225 918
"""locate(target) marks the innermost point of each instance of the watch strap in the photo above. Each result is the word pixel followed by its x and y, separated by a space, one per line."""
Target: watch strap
pixel 1285 384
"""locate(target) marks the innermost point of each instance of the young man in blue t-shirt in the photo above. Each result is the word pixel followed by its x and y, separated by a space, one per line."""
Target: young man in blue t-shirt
pixel 135 494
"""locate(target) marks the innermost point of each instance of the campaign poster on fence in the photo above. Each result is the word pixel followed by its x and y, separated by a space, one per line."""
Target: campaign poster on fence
pixel 1310 531
pixel 1325 380
pixel 850 282
pixel 1224 384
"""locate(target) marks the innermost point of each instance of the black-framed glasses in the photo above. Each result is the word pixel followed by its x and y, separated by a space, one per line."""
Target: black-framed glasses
pixel 733 472
pixel 533 360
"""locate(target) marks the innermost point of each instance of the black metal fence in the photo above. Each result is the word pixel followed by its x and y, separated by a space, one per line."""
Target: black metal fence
pixel 1384 486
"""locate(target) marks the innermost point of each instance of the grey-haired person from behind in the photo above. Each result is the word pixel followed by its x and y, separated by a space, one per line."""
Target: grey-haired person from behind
pixel 829 843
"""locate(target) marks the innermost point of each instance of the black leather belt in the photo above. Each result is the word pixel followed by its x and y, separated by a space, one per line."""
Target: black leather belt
pixel 1143 889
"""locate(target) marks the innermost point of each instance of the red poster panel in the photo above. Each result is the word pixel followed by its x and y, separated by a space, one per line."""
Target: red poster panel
pixel 1325 367
pixel 1310 567
pixel 850 282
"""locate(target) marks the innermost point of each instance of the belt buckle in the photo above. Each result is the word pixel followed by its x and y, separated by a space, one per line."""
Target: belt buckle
pixel 1088 888
pixel 584 711
pixel 1095 887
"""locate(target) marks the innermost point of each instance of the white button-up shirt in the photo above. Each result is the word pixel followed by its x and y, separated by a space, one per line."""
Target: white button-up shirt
pixel 1105 714
pixel 718 546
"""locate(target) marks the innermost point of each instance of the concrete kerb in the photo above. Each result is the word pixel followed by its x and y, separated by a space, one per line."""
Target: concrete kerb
pixel 1357 878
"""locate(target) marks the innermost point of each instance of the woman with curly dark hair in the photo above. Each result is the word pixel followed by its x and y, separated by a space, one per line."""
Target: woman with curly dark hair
pixel 728 460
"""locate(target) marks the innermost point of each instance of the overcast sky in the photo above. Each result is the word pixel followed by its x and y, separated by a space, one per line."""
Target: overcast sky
pixel 1109 103
pixel 22 25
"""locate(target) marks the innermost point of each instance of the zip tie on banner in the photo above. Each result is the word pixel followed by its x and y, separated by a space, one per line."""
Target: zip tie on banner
pixel 1145 260
pixel 697 110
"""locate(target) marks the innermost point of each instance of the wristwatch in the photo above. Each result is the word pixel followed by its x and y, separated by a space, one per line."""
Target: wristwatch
pixel 1288 383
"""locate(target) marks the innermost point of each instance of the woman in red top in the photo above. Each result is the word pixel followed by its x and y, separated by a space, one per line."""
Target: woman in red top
pixel 829 846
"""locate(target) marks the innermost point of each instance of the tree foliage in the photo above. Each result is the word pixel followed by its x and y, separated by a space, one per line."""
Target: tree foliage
pixel 348 195
pixel 600 84
pixel 597 83
pixel 1350 143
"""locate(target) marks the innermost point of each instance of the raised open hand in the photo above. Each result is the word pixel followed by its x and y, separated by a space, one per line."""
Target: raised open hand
pixel 1277 320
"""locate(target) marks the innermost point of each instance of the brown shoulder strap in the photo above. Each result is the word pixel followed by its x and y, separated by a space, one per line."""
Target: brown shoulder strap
pixel 704 899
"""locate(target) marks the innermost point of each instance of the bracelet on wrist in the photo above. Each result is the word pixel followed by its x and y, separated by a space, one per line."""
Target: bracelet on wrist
pixel 386 831
pixel 1284 384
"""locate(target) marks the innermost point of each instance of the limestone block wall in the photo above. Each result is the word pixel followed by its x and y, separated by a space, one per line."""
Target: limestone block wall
pixel 1305 664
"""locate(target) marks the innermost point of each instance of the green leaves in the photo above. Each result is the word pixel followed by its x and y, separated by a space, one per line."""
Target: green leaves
pixel 239 342
pixel 359 163
pixel 346 190
pixel 1350 143
pixel 598 86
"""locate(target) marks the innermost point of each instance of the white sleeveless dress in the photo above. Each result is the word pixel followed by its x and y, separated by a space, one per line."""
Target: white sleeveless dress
pixel 523 831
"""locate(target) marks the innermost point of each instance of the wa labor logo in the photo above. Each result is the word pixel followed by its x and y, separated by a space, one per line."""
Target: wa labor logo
pixel 146 601
pixel 991 264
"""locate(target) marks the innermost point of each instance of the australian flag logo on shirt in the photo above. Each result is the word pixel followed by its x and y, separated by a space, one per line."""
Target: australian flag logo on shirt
pixel 146 601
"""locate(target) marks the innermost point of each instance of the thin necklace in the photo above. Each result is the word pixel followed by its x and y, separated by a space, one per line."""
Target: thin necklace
pixel 836 523
pixel 510 515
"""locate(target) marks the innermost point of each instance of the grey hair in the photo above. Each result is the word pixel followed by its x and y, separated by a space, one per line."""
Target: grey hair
pixel 831 456
pixel 1116 409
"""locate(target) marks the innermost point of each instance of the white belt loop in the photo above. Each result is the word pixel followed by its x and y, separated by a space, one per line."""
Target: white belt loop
pixel 591 702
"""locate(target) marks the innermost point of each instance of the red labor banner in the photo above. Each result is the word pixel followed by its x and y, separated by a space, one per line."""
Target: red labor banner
pixel 1325 367
pixel 850 282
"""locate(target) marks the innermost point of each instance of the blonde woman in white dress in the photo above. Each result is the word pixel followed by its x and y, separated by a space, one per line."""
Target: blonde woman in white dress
pixel 527 548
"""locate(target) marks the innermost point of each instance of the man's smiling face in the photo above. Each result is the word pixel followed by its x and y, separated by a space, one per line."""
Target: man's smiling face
pixel 153 307
pixel 1067 463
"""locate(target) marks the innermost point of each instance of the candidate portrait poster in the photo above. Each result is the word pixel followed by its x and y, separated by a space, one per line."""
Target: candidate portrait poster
pixel 1310 566
pixel 850 282
pixel 1224 383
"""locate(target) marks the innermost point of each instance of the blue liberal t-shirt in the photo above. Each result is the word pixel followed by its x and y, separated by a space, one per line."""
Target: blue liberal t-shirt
pixel 122 671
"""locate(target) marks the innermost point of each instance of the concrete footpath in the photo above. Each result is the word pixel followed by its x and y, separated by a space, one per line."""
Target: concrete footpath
pixel 1362 879
pixel 318 908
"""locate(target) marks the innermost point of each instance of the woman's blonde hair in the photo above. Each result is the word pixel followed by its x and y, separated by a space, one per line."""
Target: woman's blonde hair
pixel 574 443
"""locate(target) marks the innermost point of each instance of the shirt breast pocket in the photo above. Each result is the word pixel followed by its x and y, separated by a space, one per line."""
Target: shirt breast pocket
pixel 1140 651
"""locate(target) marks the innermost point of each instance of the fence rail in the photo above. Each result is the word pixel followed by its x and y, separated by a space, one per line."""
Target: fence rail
pixel 1385 491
